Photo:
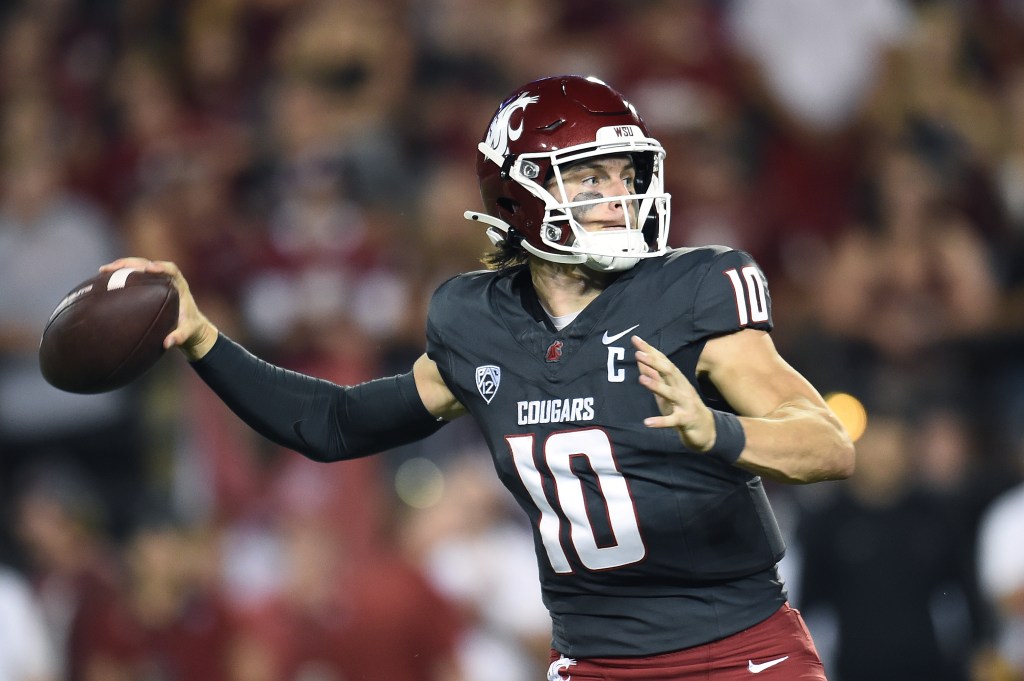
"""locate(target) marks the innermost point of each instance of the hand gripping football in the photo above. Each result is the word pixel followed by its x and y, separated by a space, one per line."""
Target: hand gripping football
pixel 108 331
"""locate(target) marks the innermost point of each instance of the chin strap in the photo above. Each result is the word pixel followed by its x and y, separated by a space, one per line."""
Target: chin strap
pixel 497 230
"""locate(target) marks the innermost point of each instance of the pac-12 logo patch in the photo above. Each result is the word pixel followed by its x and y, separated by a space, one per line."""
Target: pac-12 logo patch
pixel 488 377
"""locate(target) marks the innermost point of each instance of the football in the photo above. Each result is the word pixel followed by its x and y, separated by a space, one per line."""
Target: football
pixel 108 331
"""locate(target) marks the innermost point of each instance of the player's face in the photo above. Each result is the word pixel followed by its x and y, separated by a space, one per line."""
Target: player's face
pixel 597 178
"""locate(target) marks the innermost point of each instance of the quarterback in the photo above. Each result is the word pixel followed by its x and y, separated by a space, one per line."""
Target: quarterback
pixel 630 395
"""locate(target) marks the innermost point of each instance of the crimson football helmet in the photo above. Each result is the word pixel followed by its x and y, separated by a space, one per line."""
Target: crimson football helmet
pixel 545 127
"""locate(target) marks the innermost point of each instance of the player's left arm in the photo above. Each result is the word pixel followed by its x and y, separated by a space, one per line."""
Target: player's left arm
pixel 790 433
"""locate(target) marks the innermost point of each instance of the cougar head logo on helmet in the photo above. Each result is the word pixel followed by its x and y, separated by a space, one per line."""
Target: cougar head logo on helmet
pixel 540 130
pixel 501 132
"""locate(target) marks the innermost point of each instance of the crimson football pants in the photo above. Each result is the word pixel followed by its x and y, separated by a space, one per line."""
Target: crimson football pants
pixel 778 649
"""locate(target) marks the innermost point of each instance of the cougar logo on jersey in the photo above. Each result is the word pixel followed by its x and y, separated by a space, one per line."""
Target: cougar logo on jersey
pixel 488 377
pixel 501 130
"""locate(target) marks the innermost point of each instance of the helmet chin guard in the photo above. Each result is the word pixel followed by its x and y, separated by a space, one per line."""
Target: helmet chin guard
pixel 542 129
pixel 624 241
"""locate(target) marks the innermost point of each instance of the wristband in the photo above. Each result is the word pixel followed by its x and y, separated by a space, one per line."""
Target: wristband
pixel 729 437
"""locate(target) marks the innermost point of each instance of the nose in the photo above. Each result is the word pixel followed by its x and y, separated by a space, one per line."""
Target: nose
pixel 619 188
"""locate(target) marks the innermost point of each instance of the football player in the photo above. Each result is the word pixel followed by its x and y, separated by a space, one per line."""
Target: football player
pixel 630 395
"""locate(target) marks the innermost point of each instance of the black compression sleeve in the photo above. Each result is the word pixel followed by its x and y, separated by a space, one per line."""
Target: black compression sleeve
pixel 319 419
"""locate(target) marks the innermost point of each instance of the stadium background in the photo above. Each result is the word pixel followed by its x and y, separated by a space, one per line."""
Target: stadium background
pixel 307 164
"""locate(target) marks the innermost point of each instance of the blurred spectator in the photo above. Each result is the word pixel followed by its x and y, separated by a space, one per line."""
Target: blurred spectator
pixel 450 243
pixel 448 99
pixel 952 461
pixel 457 33
pixel 334 163
pixel 70 563
pixel 936 87
pixel 711 203
pixel 996 29
pixel 818 63
pixel 1009 173
pixel 221 66
pixel 240 485
pixel 335 267
pixel 942 95
pixel 679 69
pixel 1001 568
pixel 481 556
pixel 810 70
pixel 883 561
pixel 177 180
pixel 916 274
pixel 26 651
pixel 166 620
pixel 51 239
pixel 338 618
pixel 340 71
pixel 158 141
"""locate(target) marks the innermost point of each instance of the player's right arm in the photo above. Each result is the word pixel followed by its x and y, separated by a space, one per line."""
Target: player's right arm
pixel 319 419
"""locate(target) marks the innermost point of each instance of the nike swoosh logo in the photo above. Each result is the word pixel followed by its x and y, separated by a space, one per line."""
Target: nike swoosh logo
pixel 608 340
pixel 758 668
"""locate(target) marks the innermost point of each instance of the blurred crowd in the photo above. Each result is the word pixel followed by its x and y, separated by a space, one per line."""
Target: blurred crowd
pixel 307 163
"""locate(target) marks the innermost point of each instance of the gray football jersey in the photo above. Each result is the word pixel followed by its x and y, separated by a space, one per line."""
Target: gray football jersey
pixel 643 546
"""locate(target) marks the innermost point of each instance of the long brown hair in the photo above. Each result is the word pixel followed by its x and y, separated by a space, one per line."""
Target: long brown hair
pixel 503 256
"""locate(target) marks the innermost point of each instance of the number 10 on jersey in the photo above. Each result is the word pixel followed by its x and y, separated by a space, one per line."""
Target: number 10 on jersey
pixel 751 304
pixel 559 449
